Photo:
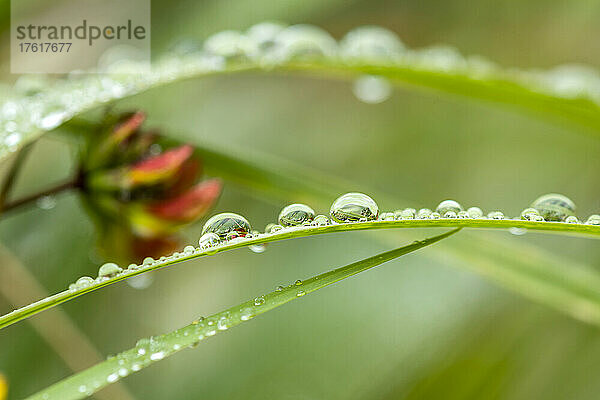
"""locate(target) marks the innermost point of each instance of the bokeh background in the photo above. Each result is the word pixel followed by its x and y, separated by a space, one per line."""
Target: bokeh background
pixel 417 328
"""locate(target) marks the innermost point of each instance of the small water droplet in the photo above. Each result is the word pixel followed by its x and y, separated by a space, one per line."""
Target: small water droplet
pixel 424 213
pixel 352 207
pixel 159 355
pixel 246 314
pixel 83 282
pixel 148 261
pixel 112 378
pixel 448 205
pixel 279 288
pixel 475 212
pixel 259 301
pixel 387 216
pixel 554 206
pixel 46 202
pixel 298 282
pixel 593 219
pixel 463 215
pixel 517 231
pixel 208 240
pixel 109 269
pixel 189 250
pixel 296 214
pixel 435 215
pixel 321 220
pixel 300 293
pixel 258 248
pixel 450 214
pixel 571 219
pixel 225 224
pixel 372 89
pixel 495 215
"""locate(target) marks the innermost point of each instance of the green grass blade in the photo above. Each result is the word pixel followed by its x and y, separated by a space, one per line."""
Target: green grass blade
pixel 292 233
pixel 539 92
pixel 157 348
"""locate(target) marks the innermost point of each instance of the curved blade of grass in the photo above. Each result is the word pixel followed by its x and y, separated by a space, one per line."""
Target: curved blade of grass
pixel 445 71
pixel 157 348
pixel 291 233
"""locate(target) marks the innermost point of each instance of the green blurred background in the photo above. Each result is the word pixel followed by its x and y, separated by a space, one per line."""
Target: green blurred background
pixel 418 328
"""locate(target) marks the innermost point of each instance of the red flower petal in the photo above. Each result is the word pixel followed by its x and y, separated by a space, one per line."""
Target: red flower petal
pixel 123 130
pixel 191 205
pixel 161 166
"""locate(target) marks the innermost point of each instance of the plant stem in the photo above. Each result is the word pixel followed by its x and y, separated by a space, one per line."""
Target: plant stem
pixel 12 173
pixel 69 184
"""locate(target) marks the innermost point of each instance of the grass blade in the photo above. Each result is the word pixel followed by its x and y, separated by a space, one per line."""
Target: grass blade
pixel 433 68
pixel 157 348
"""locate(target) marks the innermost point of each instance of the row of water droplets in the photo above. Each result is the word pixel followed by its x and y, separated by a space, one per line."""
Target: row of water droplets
pixel 39 103
pixel 229 228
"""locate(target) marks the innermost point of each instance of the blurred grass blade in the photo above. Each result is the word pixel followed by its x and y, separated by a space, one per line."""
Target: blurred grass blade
pixel 156 348
pixel 306 49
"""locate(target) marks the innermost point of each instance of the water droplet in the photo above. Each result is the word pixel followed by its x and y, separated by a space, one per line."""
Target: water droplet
pixel 109 269
pixel 387 216
pixel 352 207
pixel 594 219
pixel 448 205
pixel 475 212
pixel 407 213
pixel 259 301
pixel 517 231
pixel 46 202
pixel 321 220
pixel 424 213
pixel 372 89
pixel 52 120
pixel 226 223
pixel 571 219
pixel 495 215
pixel 148 261
pixel 450 214
pixel 463 215
pixel 298 282
pixel 123 372
pixel 303 42
pixel 246 314
pixel 83 282
pixel 296 214
pixel 435 215
pixel 258 248
pixel 140 282
pixel 82 389
pixel 265 34
pixel 112 378
pixel 530 214
pixel 159 355
pixel 273 228
pixel 554 207
pixel 222 324
pixel 300 293
pixel 189 250
pixel 371 43
pixel 279 288
pixel 231 45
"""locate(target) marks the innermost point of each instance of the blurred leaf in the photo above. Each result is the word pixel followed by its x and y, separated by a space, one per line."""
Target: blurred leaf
pixel 149 351
pixel 567 93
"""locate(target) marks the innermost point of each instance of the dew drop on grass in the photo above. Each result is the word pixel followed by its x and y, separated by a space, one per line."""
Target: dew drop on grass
pixel 387 216
pixel 159 355
pixel 554 206
pixel 530 214
pixel 296 214
pixel 109 269
pixel 112 378
pixel 46 202
pixel 258 248
pixel 435 215
pixel 148 261
pixel 82 282
pixel 463 215
pixel 517 231
pixel 321 220
pixel 246 314
pixel 372 89
pixel 298 282
pixel 189 250
pixel 448 205
pixel 407 213
pixel 225 224
pixel 593 219
pixel 496 215
pixel 279 288
pixel 450 214
pixel 475 212
pixel 354 207
pixel 300 293
pixel 259 301
pixel 424 213
pixel 571 219
pixel 370 43
pixel 273 228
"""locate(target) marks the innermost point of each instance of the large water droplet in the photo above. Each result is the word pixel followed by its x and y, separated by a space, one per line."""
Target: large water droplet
pixel 593 219
pixel 109 269
pixel 371 43
pixel 554 207
pixel 353 207
pixel 225 224
pixel 448 205
pixel 372 89
pixel 296 214
pixel 475 212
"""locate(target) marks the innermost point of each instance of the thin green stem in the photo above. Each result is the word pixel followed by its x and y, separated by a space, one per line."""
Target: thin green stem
pixel 12 173
pixel 61 187
pixel 296 232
